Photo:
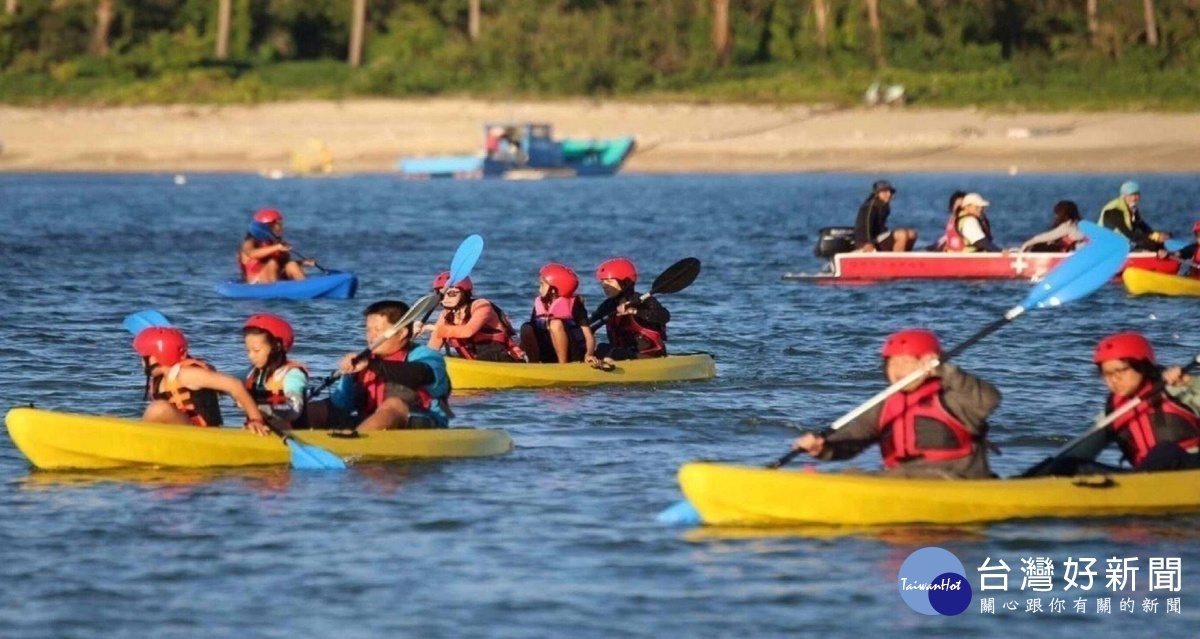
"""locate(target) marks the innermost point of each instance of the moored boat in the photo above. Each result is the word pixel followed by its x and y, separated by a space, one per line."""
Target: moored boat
pixel 476 374
pixel 1142 282
pixel 935 265
pixel 340 285
pixel 53 440
pixel 735 495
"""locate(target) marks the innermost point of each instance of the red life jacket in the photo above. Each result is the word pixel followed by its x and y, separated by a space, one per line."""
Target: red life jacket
pixel 903 412
pixel 374 385
pixel 496 332
pixel 250 267
pixel 955 242
pixel 271 391
pixel 624 331
pixel 200 406
pixel 1156 419
pixel 561 309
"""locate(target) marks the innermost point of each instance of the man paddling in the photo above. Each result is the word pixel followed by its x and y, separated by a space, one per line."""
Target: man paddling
pixel 935 427
pixel 1124 215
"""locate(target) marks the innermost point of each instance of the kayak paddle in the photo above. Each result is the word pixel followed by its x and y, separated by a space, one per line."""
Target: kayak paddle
pixel 137 322
pixel 1174 246
pixel 263 233
pixel 677 277
pixel 1084 441
pixel 303 456
pixel 464 260
pixel 418 309
pixel 1083 272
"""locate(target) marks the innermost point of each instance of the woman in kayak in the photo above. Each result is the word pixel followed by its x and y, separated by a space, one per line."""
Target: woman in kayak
pixel 636 328
pixel 267 260
pixel 183 389
pixel 474 327
pixel 400 385
pixel 1162 430
pixel 276 384
pixel 558 329
pixel 934 427
pixel 1064 233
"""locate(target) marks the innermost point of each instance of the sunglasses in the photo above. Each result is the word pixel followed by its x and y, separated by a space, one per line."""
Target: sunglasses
pixel 453 293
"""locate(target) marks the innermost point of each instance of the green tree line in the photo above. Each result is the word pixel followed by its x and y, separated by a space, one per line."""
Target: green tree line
pixel 1058 53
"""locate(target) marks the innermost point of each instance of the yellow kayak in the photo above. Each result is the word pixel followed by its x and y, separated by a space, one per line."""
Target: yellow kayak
pixel 474 374
pixel 54 441
pixel 1142 282
pixel 733 495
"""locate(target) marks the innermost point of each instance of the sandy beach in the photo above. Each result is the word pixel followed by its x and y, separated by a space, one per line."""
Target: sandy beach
pixel 370 135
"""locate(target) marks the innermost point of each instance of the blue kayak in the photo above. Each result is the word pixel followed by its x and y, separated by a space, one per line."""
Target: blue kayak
pixel 338 285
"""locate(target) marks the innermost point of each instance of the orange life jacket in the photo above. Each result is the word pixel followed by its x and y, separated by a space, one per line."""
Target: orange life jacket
pixel 201 406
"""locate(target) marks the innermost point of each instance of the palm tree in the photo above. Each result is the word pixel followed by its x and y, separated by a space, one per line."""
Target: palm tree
pixel 104 18
pixel 822 14
pixel 720 31
pixel 1151 23
pixel 224 13
pixel 357 24
pixel 876 33
pixel 473 20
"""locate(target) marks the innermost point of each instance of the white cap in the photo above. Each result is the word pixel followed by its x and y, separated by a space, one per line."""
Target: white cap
pixel 974 199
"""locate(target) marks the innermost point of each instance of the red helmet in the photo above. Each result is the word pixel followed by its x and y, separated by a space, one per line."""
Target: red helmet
pixel 268 216
pixel 916 342
pixel 166 345
pixel 443 279
pixel 617 268
pixel 275 326
pixel 1124 346
pixel 562 278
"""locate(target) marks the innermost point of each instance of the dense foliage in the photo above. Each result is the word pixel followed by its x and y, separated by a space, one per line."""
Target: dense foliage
pixel 1037 53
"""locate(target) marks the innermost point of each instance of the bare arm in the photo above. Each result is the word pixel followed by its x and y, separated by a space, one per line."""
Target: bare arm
pixel 200 379
pixel 481 315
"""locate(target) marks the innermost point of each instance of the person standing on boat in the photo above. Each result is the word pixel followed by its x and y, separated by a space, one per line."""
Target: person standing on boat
pixel 935 427
pixel 267 261
pixel 870 227
pixel 1163 431
pixel 400 385
pixel 474 327
pixel 1064 233
pixel 1124 215
pixel 276 384
pixel 969 230
pixel 558 329
pixel 184 390
pixel 636 328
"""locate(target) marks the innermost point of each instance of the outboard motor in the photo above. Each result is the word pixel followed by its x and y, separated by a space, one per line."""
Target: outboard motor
pixel 833 240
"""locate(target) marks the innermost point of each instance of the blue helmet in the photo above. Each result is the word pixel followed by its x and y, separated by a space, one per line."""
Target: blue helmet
pixel 1130 187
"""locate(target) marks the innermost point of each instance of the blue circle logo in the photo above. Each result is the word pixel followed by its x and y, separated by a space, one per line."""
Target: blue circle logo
pixel 933 582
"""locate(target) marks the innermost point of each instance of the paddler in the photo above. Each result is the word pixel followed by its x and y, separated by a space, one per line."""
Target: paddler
pixel 264 261
pixel 276 383
pixel 935 427
pixel 184 390
pixel 636 328
pixel 1162 432
pixel 1188 253
pixel 870 226
pixel 400 385
pixel 558 329
pixel 474 327
pixel 1124 215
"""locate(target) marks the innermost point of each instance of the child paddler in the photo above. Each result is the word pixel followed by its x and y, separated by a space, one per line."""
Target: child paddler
pixel 558 329
pixel 935 427
pixel 277 384
pixel 636 328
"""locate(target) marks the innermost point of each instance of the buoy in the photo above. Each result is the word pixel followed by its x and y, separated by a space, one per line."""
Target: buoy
pixel 180 180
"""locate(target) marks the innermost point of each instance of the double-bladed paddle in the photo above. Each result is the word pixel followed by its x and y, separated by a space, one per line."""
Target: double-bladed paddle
pixel 263 233
pixel 677 277
pixel 1083 272
pixel 1094 436
pixel 303 456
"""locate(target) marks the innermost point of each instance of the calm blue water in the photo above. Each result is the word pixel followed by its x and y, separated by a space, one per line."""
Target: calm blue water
pixel 558 537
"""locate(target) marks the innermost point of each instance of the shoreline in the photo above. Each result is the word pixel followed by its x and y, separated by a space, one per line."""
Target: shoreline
pixel 369 136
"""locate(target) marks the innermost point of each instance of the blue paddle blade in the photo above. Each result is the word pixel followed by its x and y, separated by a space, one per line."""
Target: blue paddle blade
pixel 465 258
pixel 306 457
pixel 1174 245
pixel 262 232
pixel 141 320
pixel 1086 270
pixel 681 514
